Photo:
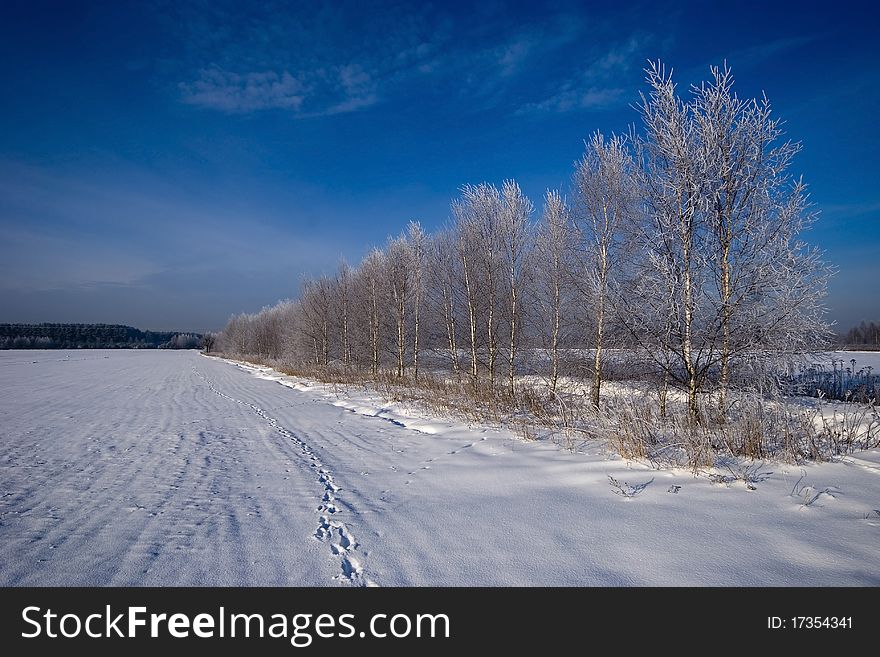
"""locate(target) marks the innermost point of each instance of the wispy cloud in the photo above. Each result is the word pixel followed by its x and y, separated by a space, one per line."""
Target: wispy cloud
pixel 757 54
pixel 519 50
pixel 597 86
pixel 325 63
pixel 239 93
pixel 358 90
pixel 514 53
pixel 308 93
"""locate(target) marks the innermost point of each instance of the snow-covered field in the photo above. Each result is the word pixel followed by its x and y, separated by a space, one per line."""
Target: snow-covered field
pixel 170 468
pixel 862 358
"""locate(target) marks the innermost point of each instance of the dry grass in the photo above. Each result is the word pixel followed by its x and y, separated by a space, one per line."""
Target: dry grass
pixel 754 428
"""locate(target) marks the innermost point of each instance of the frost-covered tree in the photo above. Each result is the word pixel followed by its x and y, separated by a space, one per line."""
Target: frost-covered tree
pixel 343 287
pixel 443 291
pixel 372 280
pixel 605 207
pixel 552 273
pixel 316 305
pixel 476 216
pixel 673 238
pixel 398 266
pixel 514 232
pixel 725 275
pixel 417 266
pixel 235 337
pixel 767 285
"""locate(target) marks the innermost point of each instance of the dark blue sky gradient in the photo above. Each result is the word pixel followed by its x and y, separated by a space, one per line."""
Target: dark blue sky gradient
pixel 165 165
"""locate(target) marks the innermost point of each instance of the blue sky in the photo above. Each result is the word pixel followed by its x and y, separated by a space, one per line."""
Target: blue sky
pixel 166 164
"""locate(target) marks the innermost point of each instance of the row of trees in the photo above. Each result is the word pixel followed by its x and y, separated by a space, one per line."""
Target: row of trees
pixel 92 336
pixel 866 334
pixel 679 241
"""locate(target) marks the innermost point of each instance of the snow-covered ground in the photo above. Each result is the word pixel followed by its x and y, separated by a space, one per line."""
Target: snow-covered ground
pixel 169 468
pixel 862 358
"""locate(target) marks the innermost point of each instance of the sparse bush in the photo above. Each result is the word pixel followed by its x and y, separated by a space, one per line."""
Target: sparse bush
pixel 626 489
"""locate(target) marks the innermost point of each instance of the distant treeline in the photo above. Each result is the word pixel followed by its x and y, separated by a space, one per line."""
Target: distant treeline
pixel 864 336
pixel 92 336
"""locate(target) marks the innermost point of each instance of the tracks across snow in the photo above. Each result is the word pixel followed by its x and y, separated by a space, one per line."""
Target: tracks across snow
pixel 125 469
pixel 330 528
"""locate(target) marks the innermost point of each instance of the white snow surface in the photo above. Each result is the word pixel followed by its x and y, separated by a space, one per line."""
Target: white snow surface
pixel 170 468
pixel 862 358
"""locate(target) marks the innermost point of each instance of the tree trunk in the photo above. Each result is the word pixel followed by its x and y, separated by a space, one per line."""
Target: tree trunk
pixel 325 344
pixel 600 314
pixel 597 361
pixel 449 315
pixel 472 316
pixel 346 348
pixel 664 382
pixel 491 337
pixel 374 332
pixel 664 391
pixel 513 316
pixel 688 293
pixel 693 406
pixel 401 339
pixel 725 332
pixel 554 338
pixel 418 303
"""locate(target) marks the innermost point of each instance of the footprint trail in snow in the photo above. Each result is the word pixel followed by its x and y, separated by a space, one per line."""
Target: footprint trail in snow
pixel 332 530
